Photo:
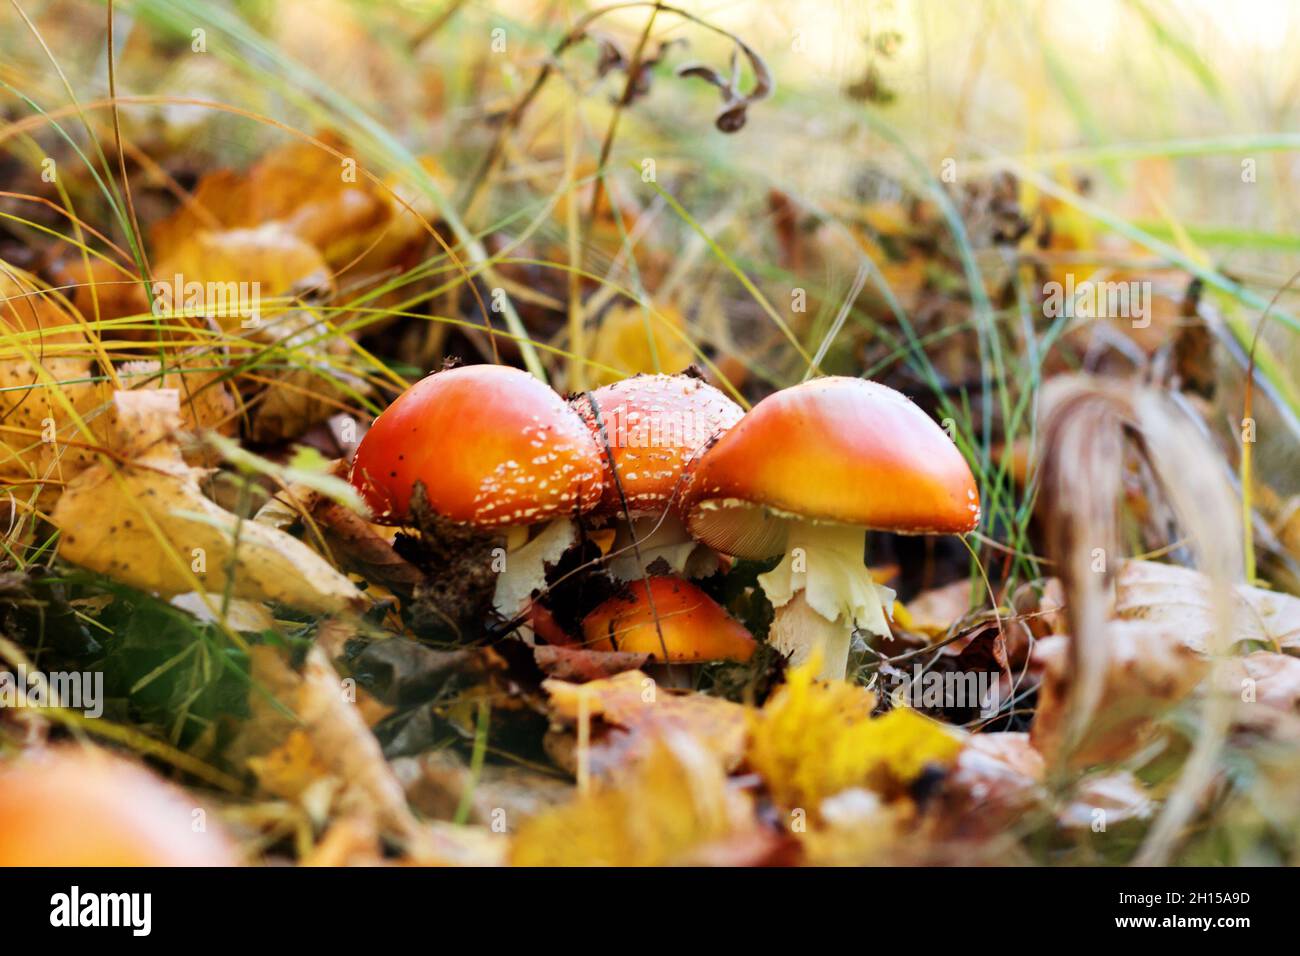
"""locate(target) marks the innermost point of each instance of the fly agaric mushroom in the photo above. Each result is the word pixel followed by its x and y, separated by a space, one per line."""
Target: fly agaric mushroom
pixel 694 627
pixel 806 473
pixel 494 448
pixel 74 807
pixel 648 428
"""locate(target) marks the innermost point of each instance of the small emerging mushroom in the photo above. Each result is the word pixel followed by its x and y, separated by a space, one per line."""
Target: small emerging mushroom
pixel 805 474
pixel 494 448
pixel 648 428
pixel 691 627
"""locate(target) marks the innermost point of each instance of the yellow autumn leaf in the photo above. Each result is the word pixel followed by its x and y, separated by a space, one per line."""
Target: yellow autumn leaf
pixel 632 340
pixel 232 275
pixel 663 811
pixel 312 194
pixel 48 389
pixel 289 769
pixel 146 523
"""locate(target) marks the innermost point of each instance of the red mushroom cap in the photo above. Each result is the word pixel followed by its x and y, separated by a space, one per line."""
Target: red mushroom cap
pixel 492 445
pixel 695 628
pixel 655 424
pixel 836 450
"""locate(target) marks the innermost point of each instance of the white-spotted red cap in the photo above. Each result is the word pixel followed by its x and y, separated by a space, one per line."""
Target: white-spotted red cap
pixel 836 450
pixel 492 445
pixel 654 425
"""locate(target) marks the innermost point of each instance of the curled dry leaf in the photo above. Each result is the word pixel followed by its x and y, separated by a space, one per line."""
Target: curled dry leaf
pixel 322 753
pixel 339 735
pixel 1180 599
pixel 735 103
pixel 1149 668
pixel 348 538
pixel 146 523
pixel 364 547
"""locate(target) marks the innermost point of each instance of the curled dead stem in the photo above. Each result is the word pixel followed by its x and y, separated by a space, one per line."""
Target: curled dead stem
pixel 1086 423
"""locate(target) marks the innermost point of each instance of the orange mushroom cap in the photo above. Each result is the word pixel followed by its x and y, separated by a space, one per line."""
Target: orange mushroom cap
pixel 837 450
pixel 492 445
pixel 655 424
pixel 695 628
pixel 75 807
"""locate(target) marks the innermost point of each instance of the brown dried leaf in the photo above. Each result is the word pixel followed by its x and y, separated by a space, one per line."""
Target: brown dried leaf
pixel 1267 689
pixel 997 780
pixel 632 702
pixel 362 548
pixel 1180 599
pixel 579 664
pixel 1149 668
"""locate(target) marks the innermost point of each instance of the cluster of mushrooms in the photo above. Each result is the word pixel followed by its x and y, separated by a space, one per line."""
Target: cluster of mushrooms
pixel 686 479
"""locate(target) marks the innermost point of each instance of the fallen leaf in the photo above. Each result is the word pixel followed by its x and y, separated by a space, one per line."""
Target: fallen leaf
pixel 147 524
pixel 1149 668
pixel 1112 799
pixel 813 739
pixel 666 809
pixel 47 367
pixel 641 712
pixel 579 664
pixel 1180 599
pixel 996 781
pixel 290 769
pixel 633 340
pixel 1267 689
pixel 236 276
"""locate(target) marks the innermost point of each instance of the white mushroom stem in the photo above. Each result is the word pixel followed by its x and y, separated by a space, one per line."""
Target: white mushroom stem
pixel 525 566
pixel 822 592
pixel 655 538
